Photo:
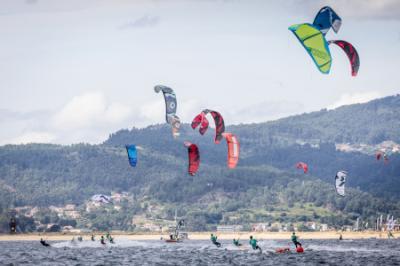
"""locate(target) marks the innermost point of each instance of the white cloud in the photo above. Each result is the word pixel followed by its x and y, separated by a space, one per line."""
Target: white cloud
pixel 352 98
pixel 153 112
pixel 32 137
pixel 142 22
pixel 88 118
pixel 366 9
pixel 90 109
pixel 264 111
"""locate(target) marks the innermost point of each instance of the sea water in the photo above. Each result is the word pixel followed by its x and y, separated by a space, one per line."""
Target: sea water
pixel 195 252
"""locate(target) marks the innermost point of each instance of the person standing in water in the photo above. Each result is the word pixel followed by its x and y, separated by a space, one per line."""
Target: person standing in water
pixel 214 240
pixel 102 240
pixel 254 245
pixel 92 238
pixel 294 240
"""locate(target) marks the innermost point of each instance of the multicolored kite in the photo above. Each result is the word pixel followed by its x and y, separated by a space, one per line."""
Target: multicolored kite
pixel 315 44
pixel 201 120
pixel 170 108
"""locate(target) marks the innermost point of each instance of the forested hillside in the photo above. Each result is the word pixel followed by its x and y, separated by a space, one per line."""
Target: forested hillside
pixel 263 186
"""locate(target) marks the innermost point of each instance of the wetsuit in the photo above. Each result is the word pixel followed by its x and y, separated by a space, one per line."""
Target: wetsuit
pixel 295 242
pixel 236 242
pixel 214 241
pixel 44 243
pixel 102 240
pixel 254 245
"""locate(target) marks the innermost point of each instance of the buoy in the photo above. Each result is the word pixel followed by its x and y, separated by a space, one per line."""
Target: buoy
pixel 299 249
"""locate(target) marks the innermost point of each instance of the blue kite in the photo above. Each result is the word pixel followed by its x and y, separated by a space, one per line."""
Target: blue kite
pixel 132 154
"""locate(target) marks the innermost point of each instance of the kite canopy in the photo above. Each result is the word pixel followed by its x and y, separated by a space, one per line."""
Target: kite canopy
pixel 378 155
pixel 326 19
pixel 340 180
pixel 351 53
pixel 201 120
pixel 301 165
pixel 383 154
pixel 194 157
pixel 170 108
pixel 233 149
pixel 100 198
pixel 315 44
pixel 132 154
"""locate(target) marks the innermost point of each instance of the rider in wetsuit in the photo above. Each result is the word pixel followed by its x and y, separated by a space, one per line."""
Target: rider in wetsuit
pixel 44 243
pixel 214 240
pixel 294 240
pixel 253 243
pixel 236 242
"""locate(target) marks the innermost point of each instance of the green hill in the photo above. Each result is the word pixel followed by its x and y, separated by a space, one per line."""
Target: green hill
pixel 265 187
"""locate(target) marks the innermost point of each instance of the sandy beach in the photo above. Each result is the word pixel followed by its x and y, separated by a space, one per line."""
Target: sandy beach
pixel 201 235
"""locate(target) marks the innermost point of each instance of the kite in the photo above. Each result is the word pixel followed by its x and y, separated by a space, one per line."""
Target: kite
pixel 201 120
pixel 326 19
pixel 301 165
pixel 340 180
pixel 194 157
pixel 315 44
pixel 132 154
pixel 351 53
pixel 233 149
pixel 170 108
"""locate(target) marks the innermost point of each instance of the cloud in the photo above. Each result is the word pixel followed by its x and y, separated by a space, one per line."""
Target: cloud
pixel 89 118
pixel 89 109
pixel 264 111
pixel 154 112
pixel 33 137
pixel 352 98
pixel 142 22
pixel 31 2
pixel 361 9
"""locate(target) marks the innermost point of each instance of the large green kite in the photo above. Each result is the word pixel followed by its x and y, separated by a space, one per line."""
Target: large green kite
pixel 315 43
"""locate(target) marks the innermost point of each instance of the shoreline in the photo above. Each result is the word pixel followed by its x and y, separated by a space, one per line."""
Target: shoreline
pixel 200 235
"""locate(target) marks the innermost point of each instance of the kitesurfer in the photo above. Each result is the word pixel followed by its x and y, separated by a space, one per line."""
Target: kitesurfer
pixel 253 243
pixel 340 237
pixel 44 243
pixel 92 238
pixel 236 242
pixel 108 235
pixel 214 240
pixel 390 235
pixel 111 240
pixel 80 238
pixel 294 240
pixel 102 240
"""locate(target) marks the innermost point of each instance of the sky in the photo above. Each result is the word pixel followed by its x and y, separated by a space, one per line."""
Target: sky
pixel 75 71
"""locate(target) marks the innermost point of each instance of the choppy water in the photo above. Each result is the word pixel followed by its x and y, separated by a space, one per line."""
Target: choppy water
pixel 128 252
